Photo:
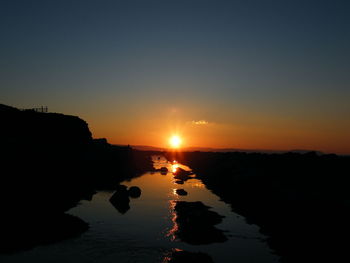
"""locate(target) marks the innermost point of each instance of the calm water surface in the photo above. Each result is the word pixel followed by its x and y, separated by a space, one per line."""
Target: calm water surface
pixel 144 233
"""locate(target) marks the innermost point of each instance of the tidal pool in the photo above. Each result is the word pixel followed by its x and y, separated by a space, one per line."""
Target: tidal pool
pixel 147 231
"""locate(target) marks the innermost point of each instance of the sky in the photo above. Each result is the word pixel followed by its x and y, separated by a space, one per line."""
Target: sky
pixel 223 74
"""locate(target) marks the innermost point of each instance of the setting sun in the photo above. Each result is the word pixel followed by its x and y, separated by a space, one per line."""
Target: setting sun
pixel 175 141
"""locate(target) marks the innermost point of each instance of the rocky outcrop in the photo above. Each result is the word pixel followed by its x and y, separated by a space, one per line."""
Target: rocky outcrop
pixel 49 162
pixel 29 128
pixel 300 201
pixel 43 157
pixel 182 174
pixel 181 192
pixel 196 224
pixel 121 197
pixel 163 171
pixel 134 192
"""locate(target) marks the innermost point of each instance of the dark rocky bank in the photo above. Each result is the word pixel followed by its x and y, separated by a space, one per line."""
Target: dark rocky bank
pixel 49 163
pixel 300 201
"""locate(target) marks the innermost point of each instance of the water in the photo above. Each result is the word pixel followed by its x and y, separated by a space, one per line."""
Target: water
pixel 145 232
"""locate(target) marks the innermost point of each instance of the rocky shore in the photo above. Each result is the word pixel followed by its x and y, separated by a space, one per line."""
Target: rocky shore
pixel 300 202
pixel 49 163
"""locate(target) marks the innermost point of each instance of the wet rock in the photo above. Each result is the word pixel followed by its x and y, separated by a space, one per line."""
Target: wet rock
pixel 122 189
pixel 179 182
pixel 181 256
pixel 182 174
pixel 181 192
pixel 163 171
pixel 196 224
pixel 120 199
pixel 134 192
pixel 22 233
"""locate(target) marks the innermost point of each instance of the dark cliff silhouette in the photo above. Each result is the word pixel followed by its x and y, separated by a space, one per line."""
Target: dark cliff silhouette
pixel 300 201
pixel 49 163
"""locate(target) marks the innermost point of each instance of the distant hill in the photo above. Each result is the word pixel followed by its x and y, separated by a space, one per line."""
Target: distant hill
pixel 148 148
pixel 208 149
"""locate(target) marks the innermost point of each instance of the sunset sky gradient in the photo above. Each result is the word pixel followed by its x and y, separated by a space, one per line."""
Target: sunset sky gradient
pixel 239 74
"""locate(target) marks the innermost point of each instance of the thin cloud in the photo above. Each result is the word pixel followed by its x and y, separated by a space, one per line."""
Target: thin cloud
pixel 200 122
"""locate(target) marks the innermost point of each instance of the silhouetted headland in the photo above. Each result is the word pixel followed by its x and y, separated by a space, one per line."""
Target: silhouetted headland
pixel 300 201
pixel 49 163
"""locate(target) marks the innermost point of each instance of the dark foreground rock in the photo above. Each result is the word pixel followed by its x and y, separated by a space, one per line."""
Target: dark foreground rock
pixel 196 224
pixel 181 256
pixel 24 232
pixel 49 162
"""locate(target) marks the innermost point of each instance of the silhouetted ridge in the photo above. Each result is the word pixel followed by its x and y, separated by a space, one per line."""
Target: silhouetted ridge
pixel 31 127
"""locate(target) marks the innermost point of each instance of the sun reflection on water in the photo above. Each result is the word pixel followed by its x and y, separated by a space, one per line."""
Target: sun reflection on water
pixel 174 192
pixel 168 256
pixel 174 167
pixel 173 216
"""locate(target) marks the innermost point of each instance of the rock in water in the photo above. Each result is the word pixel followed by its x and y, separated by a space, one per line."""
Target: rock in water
pixel 120 199
pixel 164 169
pixel 181 192
pixel 196 224
pixel 182 174
pixel 134 192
